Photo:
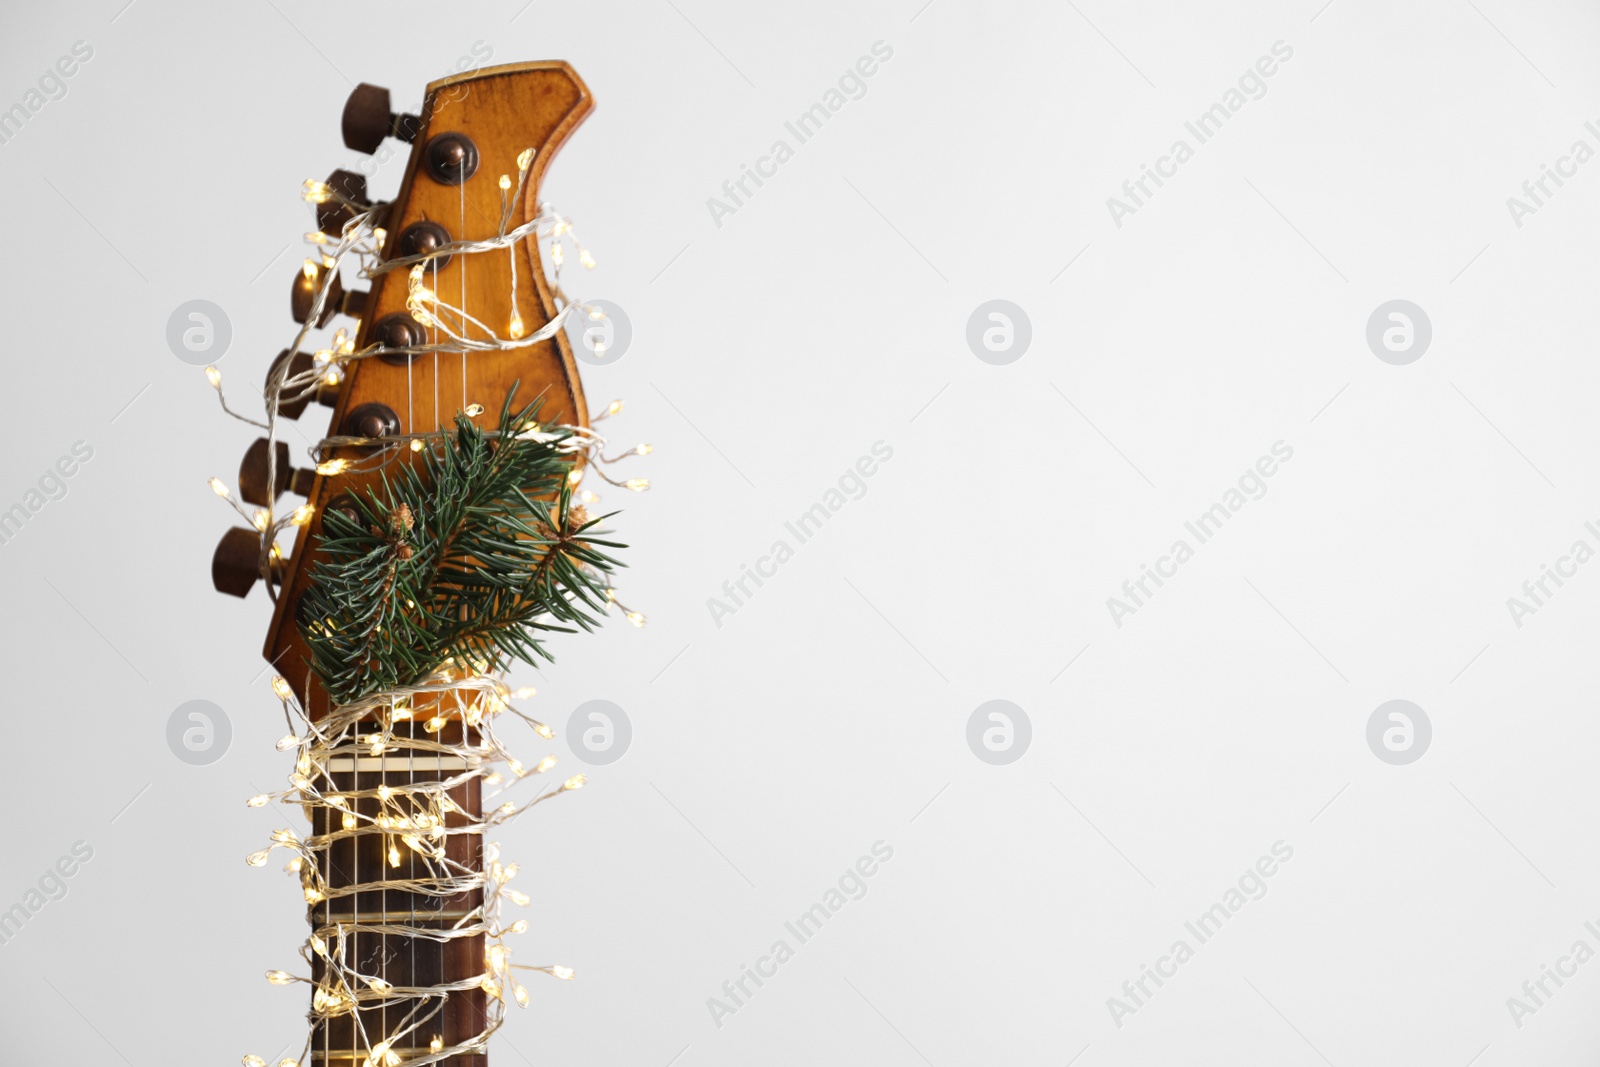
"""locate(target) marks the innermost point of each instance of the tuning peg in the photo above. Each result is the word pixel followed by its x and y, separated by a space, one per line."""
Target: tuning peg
pixel 253 475
pixel 331 213
pixel 234 565
pixel 300 363
pixel 352 302
pixel 368 120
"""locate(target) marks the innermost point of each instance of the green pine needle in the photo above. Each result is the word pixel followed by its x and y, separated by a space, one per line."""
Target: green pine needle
pixel 474 554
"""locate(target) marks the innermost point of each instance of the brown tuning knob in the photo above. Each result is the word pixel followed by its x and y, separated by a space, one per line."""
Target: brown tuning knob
pixel 341 301
pixel 368 120
pixel 292 402
pixel 287 479
pixel 332 214
pixel 235 564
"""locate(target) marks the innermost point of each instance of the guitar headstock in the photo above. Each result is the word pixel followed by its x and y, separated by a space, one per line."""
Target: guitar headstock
pixel 460 316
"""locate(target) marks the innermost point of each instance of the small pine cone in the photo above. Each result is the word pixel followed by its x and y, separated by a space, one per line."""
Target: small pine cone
pixel 404 551
pixel 577 515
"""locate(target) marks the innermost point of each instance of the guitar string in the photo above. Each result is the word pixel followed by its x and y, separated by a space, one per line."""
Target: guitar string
pixel 461 190
pixel 461 268
pixel 355 881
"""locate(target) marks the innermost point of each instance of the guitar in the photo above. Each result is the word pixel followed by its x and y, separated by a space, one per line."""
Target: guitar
pixel 443 534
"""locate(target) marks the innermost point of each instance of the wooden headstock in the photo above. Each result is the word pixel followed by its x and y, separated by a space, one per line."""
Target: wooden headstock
pixel 472 130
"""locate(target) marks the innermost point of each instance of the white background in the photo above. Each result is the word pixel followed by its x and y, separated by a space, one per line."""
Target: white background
pixel 830 711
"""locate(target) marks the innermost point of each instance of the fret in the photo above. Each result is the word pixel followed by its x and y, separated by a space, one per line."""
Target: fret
pixel 379 763
pixel 394 917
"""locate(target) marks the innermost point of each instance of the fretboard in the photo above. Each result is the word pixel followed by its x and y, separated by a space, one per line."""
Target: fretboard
pixel 401 937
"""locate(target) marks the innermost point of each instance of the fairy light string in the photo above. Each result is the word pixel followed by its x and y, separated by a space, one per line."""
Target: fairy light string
pixel 451 722
pixel 421 817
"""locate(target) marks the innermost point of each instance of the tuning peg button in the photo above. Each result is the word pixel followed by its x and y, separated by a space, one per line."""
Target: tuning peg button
pixel 368 120
pixel 333 214
pixel 287 479
pixel 235 564
pixel 300 363
pixel 341 301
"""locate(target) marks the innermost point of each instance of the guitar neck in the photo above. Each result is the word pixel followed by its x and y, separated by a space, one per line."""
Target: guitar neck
pixel 394 910
pixel 458 422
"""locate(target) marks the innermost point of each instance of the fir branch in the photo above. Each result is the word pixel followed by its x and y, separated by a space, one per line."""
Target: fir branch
pixel 473 555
